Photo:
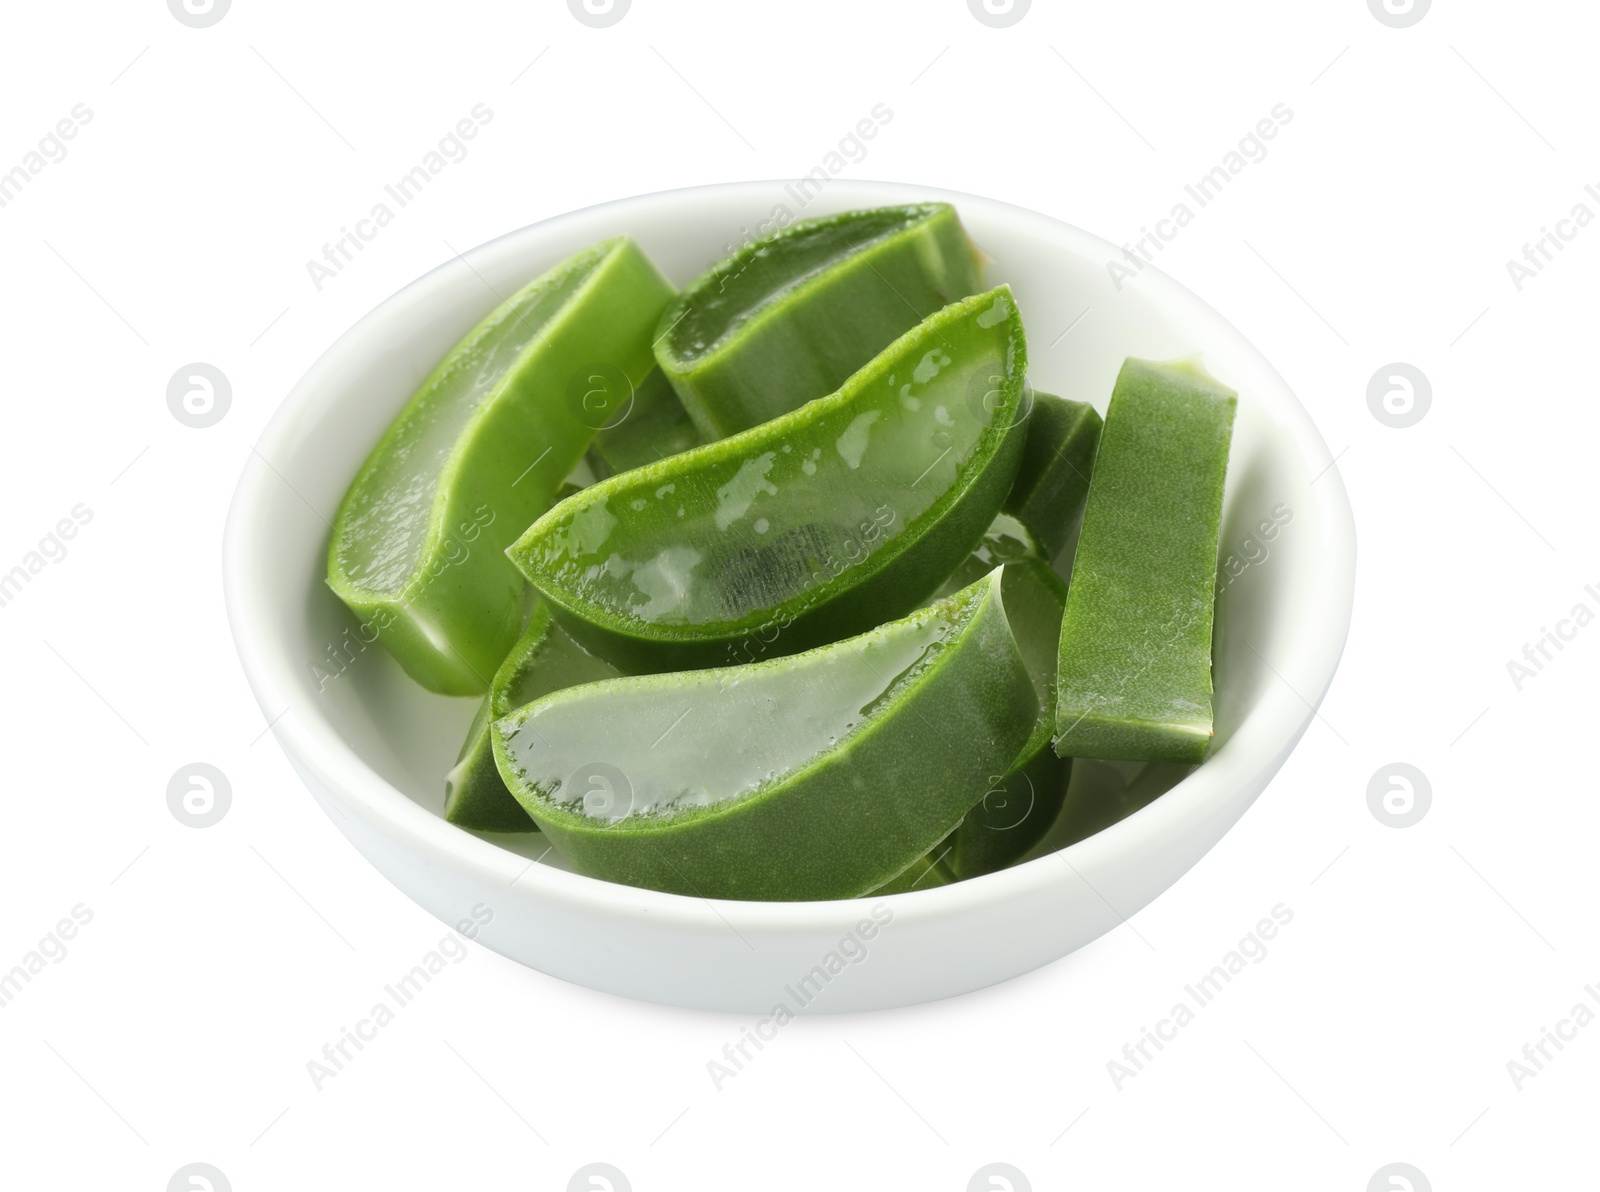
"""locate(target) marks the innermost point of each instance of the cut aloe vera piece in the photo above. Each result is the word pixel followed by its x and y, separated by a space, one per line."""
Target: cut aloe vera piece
pixel 1057 462
pixel 651 426
pixel 1135 669
pixel 823 775
pixel 477 453
pixel 544 659
pixel 1021 802
pixel 787 319
pixel 833 518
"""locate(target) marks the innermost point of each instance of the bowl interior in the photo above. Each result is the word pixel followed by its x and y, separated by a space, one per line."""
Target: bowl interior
pixel 1281 533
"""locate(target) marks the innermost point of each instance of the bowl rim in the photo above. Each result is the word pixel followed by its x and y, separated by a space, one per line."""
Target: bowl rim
pixel 1262 740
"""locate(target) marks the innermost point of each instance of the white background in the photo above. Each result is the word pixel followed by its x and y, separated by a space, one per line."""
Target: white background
pixel 1377 229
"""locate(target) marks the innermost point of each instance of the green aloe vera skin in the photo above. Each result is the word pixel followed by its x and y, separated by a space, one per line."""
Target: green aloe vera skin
pixel 1014 814
pixel 543 660
pixel 1103 793
pixel 817 525
pixel 788 319
pixel 1021 802
pixel 1057 462
pixel 822 775
pixel 1135 664
pixel 476 454
pixel 927 872
pixel 652 426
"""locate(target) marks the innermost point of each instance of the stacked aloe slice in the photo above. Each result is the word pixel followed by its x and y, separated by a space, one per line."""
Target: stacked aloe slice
pixel 761 584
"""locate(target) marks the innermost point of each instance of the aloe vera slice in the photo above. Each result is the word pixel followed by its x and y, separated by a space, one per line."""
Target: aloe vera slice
pixel 543 660
pixel 478 452
pixel 1057 462
pixel 1135 664
pixel 787 319
pixel 833 518
pixel 1022 801
pixel 822 775
pixel 651 426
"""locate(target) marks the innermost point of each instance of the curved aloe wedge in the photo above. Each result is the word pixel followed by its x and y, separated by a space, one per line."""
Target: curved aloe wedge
pixel 1022 801
pixel 819 524
pixel 1057 462
pixel 476 455
pixel 818 776
pixel 653 426
pixel 544 659
pixel 1135 669
pixel 788 319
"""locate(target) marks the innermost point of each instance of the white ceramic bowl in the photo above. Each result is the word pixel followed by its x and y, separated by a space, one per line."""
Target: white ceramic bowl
pixel 373 748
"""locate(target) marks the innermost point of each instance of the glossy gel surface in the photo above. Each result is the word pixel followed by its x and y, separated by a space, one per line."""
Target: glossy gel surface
pixel 544 659
pixel 821 775
pixel 787 319
pixel 847 511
